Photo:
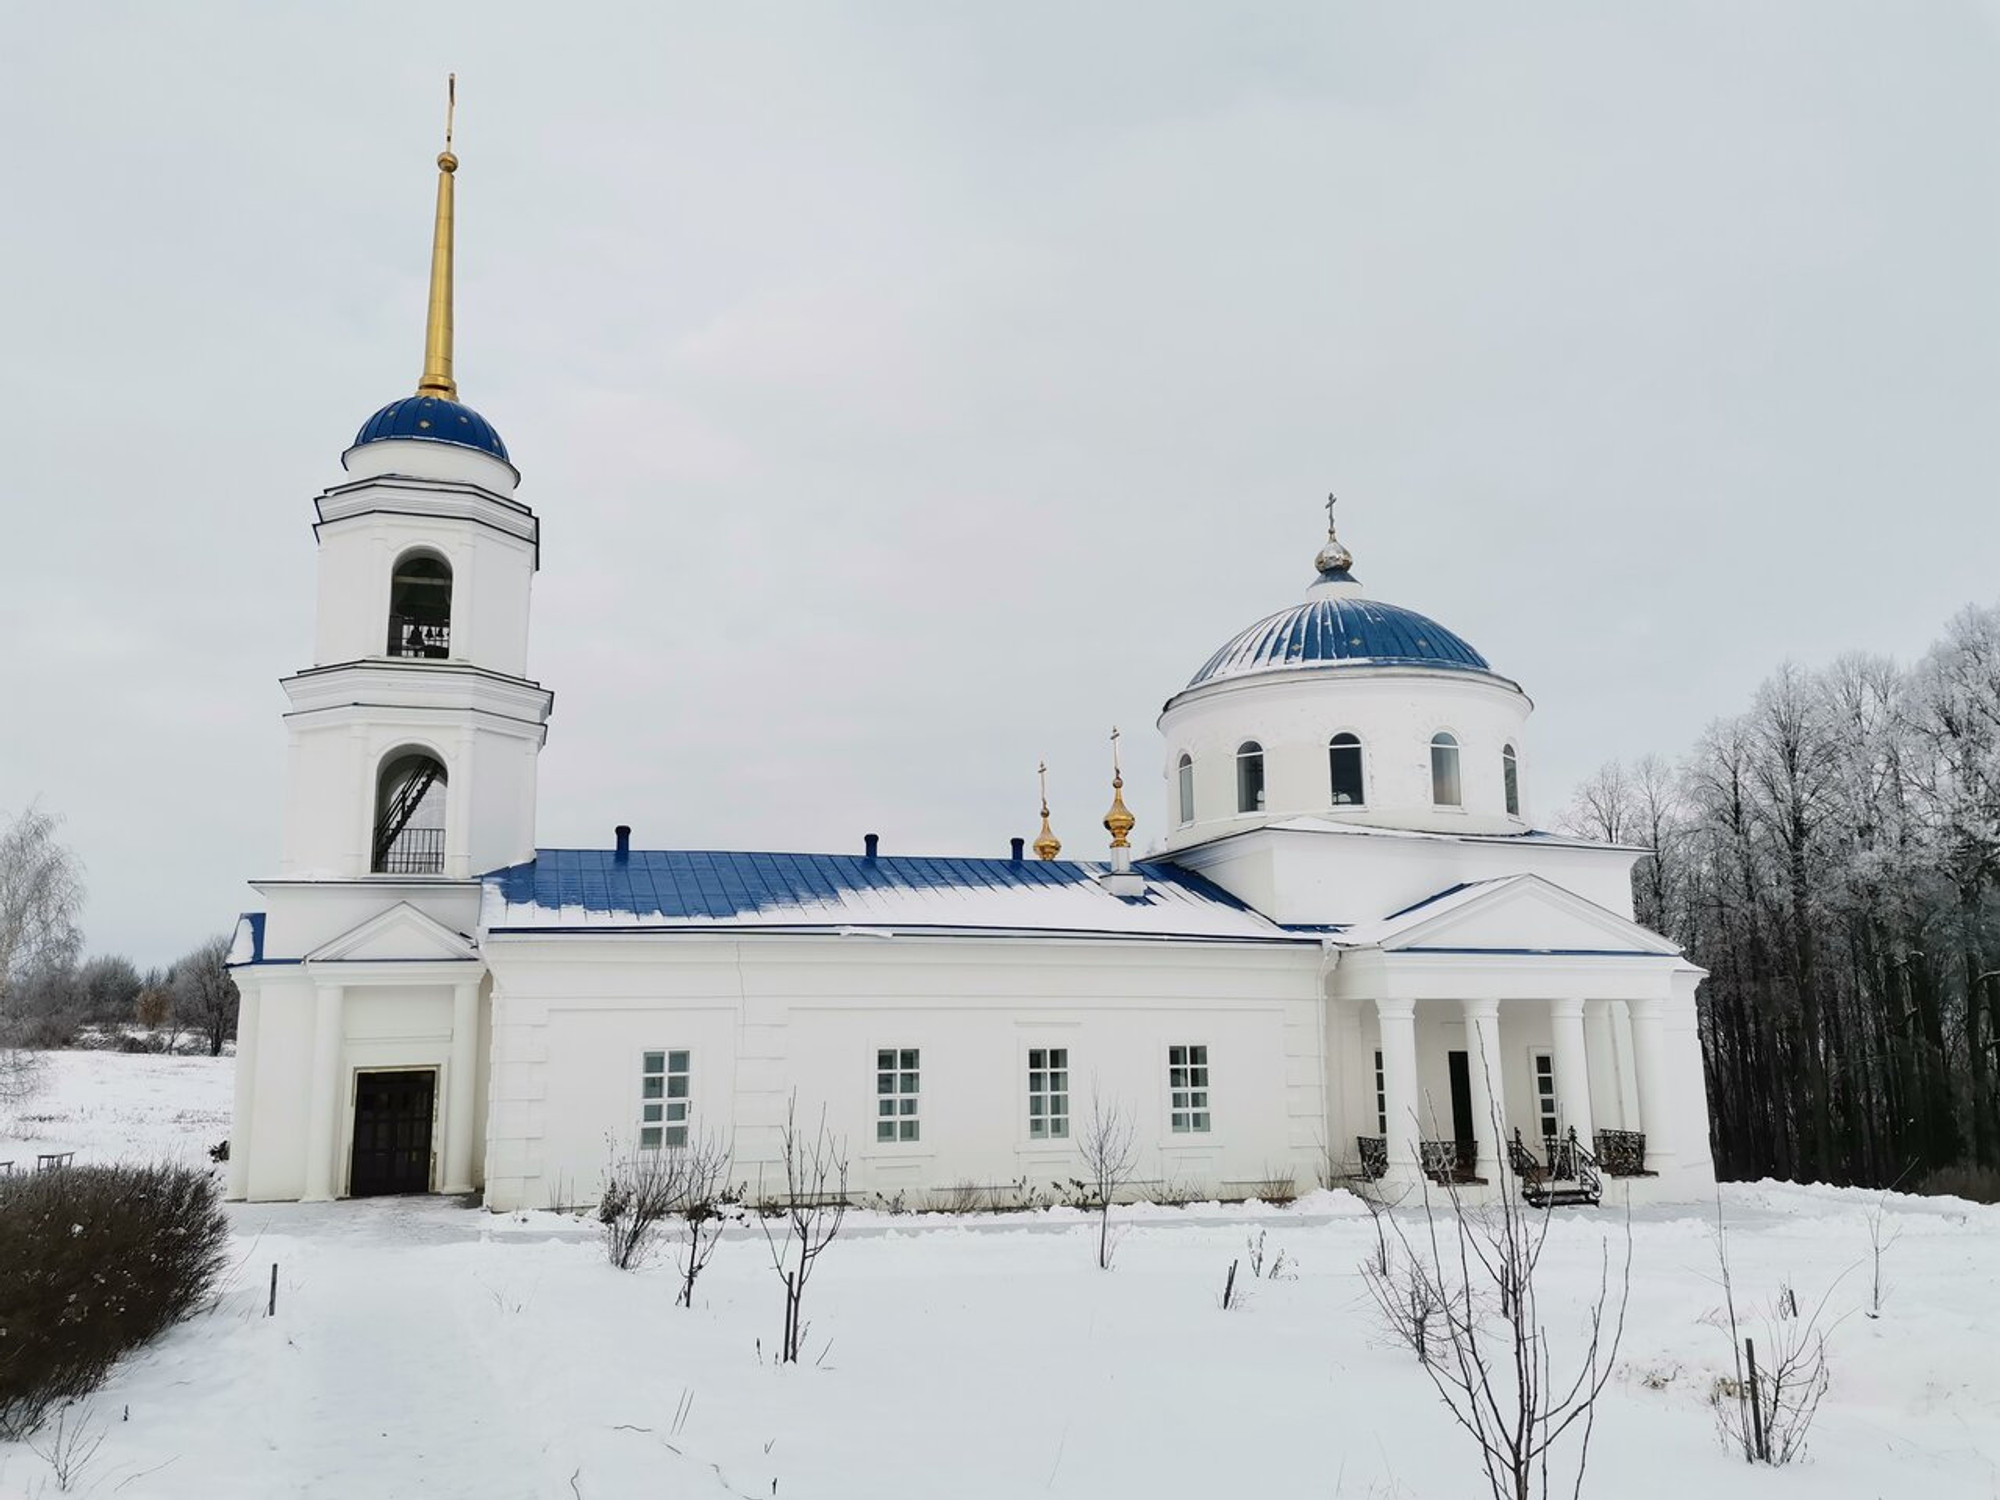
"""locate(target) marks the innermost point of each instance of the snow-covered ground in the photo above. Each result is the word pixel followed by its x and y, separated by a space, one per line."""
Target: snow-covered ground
pixel 422 1348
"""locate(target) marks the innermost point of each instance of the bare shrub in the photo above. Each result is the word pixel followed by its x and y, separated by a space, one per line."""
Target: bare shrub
pixel 67 1446
pixel 1378 1198
pixel 1106 1143
pixel 650 1186
pixel 966 1197
pixel 1278 1187
pixel 812 1204
pixel 1768 1409
pixel 1975 1184
pixel 94 1262
pixel 1465 1296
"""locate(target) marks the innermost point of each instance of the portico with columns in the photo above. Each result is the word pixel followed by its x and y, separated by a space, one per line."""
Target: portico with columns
pixel 1591 1032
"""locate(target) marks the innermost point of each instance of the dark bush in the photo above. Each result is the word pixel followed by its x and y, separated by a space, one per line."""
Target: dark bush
pixel 1962 1180
pixel 94 1262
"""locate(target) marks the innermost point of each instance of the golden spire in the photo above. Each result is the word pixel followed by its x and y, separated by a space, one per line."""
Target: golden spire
pixel 1047 845
pixel 437 379
pixel 1118 822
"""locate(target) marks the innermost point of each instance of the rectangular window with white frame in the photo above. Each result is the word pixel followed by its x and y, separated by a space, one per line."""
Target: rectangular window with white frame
pixel 1547 1106
pixel 663 1100
pixel 1187 1083
pixel 896 1076
pixel 1381 1097
pixel 1048 1093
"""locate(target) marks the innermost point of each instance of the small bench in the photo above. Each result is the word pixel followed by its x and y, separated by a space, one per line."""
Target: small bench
pixel 50 1161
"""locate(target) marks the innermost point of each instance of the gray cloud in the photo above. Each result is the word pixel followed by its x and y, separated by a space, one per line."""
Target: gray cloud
pixel 909 392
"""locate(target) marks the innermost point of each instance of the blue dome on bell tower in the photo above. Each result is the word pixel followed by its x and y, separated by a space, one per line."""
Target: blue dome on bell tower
pixel 432 419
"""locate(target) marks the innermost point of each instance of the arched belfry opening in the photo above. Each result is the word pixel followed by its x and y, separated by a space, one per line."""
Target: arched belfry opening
pixel 420 607
pixel 409 815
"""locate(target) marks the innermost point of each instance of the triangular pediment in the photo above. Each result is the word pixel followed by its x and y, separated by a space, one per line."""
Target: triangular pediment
pixel 1517 914
pixel 400 934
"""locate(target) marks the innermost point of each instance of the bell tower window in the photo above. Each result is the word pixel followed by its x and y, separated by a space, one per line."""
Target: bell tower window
pixel 1510 777
pixel 1250 777
pixel 409 816
pixel 1186 778
pixel 420 607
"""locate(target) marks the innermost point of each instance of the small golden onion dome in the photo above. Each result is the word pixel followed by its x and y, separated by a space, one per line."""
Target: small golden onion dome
pixel 1047 845
pixel 1119 821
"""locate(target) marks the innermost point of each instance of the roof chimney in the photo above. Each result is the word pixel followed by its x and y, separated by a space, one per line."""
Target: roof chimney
pixel 870 841
pixel 623 833
pixel 1015 847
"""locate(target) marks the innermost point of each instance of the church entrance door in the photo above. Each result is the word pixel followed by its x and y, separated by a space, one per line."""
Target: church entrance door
pixel 392 1132
pixel 1464 1129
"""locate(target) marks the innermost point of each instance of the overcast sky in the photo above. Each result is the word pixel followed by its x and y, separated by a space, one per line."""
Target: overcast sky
pixel 909 392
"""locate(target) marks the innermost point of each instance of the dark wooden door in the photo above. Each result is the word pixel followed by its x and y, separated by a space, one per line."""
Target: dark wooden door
pixel 1463 1126
pixel 392 1133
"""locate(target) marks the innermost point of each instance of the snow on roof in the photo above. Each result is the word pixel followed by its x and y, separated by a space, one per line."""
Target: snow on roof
pixel 1307 823
pixel 681 889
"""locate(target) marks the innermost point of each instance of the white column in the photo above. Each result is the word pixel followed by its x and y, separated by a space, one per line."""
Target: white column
pixel 1601 1042
pixel 1649 1061
pixel 1572 1060
pixel 1398 1021
pixel 1482 1059
pixel 1628 1079
pixel 458 1119
pixel 240 1132
pixel 324 1105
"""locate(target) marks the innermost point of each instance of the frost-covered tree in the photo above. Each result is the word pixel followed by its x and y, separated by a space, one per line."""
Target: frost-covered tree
pixel 41 893
pixel 1832 857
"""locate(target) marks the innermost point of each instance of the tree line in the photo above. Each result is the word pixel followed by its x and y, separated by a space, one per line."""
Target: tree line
pixel 52 996
pixel 1830 856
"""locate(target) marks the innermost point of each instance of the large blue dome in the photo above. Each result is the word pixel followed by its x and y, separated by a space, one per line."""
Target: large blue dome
pixel 1331 632
pixel 431 419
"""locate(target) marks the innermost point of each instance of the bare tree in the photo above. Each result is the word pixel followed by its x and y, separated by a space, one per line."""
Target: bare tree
pixel 1107 1145
pixel 812 1205
pixel 1482 1341
pixel 706 1208
pixel 1769 1409
pixel 204 996
pixel 41 892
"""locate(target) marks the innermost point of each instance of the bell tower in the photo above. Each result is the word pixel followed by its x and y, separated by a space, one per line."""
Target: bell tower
pixel 413 736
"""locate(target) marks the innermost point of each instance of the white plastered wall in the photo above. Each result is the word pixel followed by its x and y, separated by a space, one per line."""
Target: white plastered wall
pixel 772 1017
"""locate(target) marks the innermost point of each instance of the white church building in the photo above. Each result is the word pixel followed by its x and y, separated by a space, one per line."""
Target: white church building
pixel 1353 952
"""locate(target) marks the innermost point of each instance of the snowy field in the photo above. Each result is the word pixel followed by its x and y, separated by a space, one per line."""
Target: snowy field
pixel 422 1348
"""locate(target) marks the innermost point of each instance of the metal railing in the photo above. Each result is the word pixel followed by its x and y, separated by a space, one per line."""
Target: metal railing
pixel 1373 1151
pixel 1623 1152
pixel 411 636
pixel 1449 1161
pixel 414 851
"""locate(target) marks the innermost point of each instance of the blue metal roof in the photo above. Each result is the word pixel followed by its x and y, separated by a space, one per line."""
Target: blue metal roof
pixel 1336 631
pixel 428 419
pixel 562 888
